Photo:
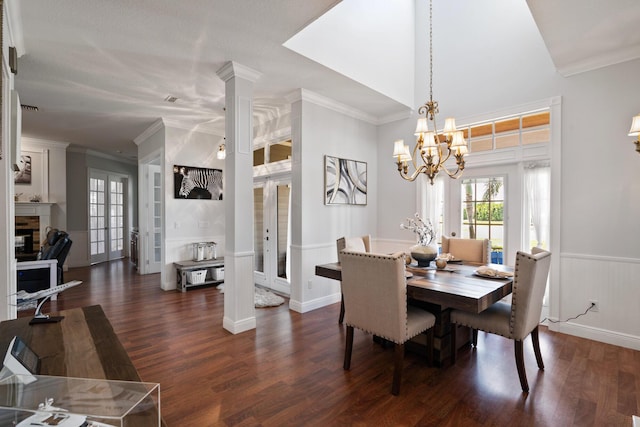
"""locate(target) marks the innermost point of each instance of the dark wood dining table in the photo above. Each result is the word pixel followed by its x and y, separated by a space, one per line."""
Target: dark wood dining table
pixel 455 287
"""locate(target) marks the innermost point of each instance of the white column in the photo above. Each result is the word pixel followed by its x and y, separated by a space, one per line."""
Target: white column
pixel 239 308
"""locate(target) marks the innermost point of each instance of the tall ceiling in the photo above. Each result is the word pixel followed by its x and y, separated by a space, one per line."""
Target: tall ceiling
pixel 99 71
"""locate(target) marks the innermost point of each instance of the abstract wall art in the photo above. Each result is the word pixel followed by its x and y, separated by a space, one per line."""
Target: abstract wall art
pixel 345 181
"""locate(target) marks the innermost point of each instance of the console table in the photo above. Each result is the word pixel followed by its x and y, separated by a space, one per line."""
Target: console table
pixel 185 267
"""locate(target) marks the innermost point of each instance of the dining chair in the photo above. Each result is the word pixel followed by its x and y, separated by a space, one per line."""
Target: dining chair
pixel 468 250
pixel 357 244
pixel 517 319
pixel 375 297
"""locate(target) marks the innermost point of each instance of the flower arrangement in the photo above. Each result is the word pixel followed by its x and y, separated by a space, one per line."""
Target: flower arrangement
pixel 423 229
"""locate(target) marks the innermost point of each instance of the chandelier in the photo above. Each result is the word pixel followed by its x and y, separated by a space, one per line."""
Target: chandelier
pixel 635 131
pixel 433 149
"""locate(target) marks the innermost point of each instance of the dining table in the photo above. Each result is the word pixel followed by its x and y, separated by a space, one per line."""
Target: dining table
pixel 459 285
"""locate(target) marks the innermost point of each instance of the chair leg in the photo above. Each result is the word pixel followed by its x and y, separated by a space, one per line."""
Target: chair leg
pixel 397 370
pixel 341 318
pixel 454 347
pixel 536 347
pixel 474 337
pixel 348 348
pixel 522 373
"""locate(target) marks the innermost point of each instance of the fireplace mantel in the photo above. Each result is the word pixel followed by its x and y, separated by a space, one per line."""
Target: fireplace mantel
pixel 41 210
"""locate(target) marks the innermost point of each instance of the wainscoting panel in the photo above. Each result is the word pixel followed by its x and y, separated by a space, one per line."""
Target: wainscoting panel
pixel 615 284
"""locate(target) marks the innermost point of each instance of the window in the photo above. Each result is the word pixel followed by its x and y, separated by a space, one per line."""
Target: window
pixel 515 131
pixel 482 211
pixel 272 152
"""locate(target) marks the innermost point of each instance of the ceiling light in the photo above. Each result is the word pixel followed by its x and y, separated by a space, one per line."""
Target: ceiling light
pixel 429 146
pixel 222 153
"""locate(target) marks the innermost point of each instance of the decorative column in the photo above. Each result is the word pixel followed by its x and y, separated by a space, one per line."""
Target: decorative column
pixel 239 308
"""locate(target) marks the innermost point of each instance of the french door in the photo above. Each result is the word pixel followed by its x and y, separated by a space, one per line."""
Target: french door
pixel 272 203
pixel 107 220
pixel 484 204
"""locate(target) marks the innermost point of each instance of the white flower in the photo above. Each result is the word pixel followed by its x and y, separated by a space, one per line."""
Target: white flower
pixel 424 229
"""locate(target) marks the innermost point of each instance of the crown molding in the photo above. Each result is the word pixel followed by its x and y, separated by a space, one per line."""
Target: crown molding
pixel 94 153
pixel 323 101
pixel 403 115
pixel 149 132
pixel 44 143
pixel 233 69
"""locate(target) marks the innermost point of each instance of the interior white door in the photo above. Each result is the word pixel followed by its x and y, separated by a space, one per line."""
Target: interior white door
pixel 272 233
pixel 98 217
pixel 153 229
pixel 107 216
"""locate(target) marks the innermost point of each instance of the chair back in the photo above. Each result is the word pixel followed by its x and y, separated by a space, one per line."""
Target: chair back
pixel 375 293
pixel 529 283
pixel 469 250
pixel 355 244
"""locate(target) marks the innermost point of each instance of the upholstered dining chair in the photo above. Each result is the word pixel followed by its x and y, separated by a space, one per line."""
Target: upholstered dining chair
pixel 468 250
pixel 357 244
pixel 517 319
pixel 375 297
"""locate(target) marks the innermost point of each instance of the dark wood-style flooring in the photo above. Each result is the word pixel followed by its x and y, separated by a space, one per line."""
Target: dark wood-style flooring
pixel 289 370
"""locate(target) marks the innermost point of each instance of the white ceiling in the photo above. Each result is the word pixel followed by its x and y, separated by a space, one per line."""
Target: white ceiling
pixel 99 70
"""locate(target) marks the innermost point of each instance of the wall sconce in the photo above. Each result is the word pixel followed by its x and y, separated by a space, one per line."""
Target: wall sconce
pixel 635 131
pixel 222 153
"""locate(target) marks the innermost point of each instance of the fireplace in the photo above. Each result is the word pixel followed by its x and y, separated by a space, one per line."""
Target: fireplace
pixel 28 227
pixel 31 222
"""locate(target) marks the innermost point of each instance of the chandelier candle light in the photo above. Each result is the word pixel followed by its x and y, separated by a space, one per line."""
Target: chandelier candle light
pixel 429 145
pixel 635 131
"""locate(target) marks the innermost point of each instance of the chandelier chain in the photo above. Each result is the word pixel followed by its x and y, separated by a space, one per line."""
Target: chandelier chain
pixel 431 50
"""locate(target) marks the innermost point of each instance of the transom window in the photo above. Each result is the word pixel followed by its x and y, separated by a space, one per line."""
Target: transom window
pixel 524 129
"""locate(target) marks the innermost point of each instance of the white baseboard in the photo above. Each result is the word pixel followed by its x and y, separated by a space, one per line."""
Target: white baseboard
pixel 314 304
pixel 239 326
pixel 597 334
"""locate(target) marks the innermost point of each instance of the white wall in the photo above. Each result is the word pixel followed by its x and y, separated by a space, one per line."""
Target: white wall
pixel 497 66
pixel 190 221
pixel 318 131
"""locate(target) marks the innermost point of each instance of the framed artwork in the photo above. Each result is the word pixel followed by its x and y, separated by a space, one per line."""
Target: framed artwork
pixel 197 183
pixel 23 174
pixel 345 181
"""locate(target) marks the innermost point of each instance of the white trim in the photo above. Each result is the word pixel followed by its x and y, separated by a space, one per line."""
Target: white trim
pixel 233 69
pixel 239 326
pixel 239 254
pixel 45 143
pixel 503 113
pixel 403 115
pixel 597 334
pixel 149 132
pixel 304 307
pixel 323 101
pixel 590 257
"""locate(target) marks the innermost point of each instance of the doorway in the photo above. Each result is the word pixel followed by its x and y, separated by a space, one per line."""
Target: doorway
pixel 272 233
pixel 107 215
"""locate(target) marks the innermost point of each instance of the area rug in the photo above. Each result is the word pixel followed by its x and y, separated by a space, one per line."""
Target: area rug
pixel 262 297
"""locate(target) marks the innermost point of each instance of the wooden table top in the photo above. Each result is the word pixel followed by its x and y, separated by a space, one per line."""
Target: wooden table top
pixel 82 345
pixel 454 287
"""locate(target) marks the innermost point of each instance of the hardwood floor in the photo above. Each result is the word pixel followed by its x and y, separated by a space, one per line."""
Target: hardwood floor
pixel 289 370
